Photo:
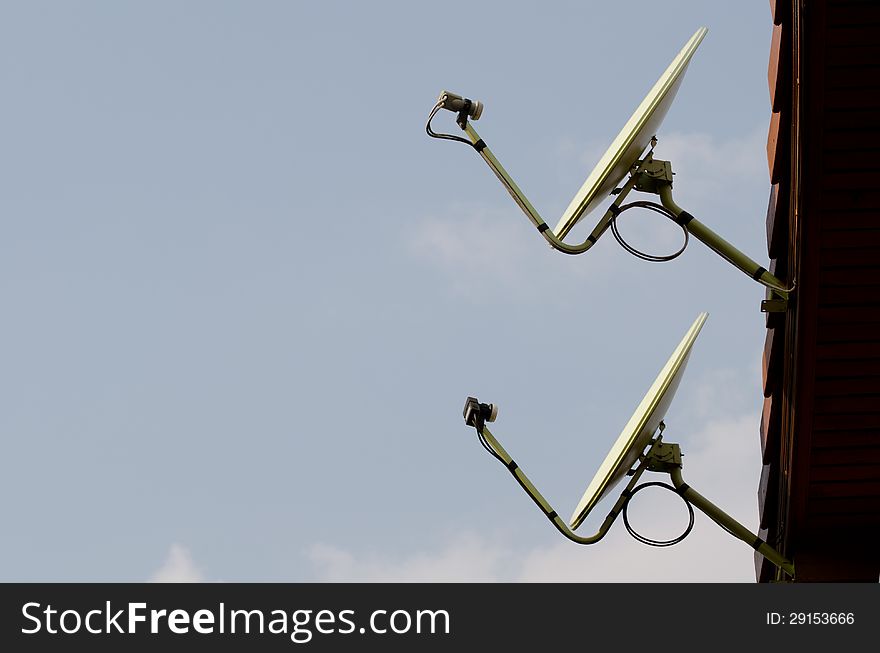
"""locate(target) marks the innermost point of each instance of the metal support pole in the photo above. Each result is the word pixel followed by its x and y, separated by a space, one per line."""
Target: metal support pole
pixel 729 524
pixel 720 246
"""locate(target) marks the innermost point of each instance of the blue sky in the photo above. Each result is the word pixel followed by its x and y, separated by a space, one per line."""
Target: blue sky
pixel 245 296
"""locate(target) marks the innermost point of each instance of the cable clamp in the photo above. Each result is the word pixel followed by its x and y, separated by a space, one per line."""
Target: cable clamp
pixel 463 114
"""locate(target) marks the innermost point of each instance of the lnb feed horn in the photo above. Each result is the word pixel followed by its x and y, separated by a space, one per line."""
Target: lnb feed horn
pixel 456 103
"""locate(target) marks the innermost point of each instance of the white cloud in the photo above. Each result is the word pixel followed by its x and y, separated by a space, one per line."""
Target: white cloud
pixel 721 462
pixel 467 558
pixel 699 160
pixel 480 244
pixel 479 249
pixel 708 555
pixel 178 567
pixel 707 167
pixel 725 388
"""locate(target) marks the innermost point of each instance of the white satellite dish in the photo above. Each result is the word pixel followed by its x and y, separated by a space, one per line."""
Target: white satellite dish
pixel 637 434
pixel 632 140
pixel 639 448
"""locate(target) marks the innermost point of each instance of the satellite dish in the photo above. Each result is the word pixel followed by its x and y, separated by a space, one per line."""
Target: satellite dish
pixel 632 140
pixel 639 443
pixel 625 157
pixel 637 433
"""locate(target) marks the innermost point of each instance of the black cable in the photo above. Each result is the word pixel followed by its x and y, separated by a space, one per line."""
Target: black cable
pixel 488 448
pixel 650 542
pixel 447 137
pixel 657 208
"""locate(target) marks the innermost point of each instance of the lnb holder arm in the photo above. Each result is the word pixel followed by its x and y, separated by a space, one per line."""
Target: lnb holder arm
pixel 532 213
pixel 473 109
pixel 498 452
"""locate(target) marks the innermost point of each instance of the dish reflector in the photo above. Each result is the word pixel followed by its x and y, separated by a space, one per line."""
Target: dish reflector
pixel 637 433
pixel 632 140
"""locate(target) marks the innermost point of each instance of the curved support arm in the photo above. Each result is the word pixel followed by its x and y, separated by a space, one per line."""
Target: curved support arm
pixel 531 213
pixel 729 524
pixel 720 246
pixel 542 503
